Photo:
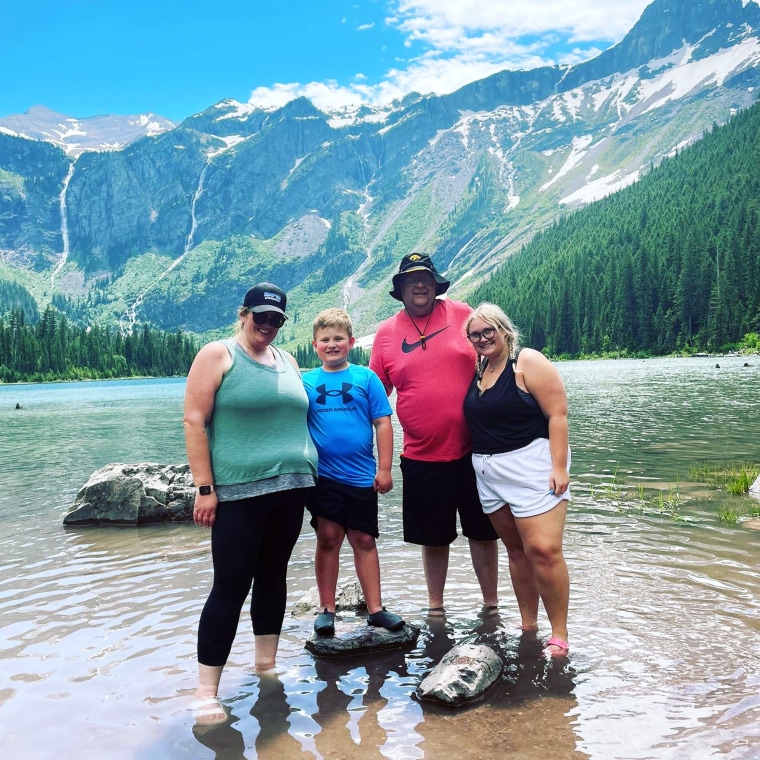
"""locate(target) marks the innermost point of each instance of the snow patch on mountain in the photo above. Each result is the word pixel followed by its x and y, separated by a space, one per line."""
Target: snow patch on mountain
pixel 577 153
pixel 238 110
pixel 75 136
pixel 678 82
pixel 600 188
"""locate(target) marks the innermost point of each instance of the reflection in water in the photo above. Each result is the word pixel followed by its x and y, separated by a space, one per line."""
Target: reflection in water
pixel 97 627
pixel 348 707
pixel 268 732
pixel 523 712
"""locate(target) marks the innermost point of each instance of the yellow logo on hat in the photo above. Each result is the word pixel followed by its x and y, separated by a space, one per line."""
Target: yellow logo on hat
pixel 415 257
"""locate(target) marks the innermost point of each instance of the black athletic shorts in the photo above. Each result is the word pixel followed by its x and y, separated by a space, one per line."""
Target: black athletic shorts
pixel 433 494
pixel 352 507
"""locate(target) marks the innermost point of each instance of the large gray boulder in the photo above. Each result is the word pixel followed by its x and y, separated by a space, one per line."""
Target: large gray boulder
pixel 462 675
pixel 134 494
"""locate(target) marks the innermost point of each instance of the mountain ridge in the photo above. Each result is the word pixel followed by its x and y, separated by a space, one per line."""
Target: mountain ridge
pixel 173 227
pixel 75 136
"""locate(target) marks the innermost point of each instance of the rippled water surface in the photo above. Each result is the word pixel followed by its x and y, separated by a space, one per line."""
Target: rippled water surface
pixel 97 626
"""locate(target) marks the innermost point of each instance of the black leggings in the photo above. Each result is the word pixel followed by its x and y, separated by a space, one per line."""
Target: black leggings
pixel 251 544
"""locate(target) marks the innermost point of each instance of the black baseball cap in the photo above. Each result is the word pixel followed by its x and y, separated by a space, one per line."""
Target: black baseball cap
pixel 265 297
pixel 418 262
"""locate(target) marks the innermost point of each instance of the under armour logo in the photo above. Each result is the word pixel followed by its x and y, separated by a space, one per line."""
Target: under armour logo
pixel 343 392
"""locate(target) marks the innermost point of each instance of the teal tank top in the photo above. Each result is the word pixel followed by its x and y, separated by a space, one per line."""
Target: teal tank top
pixel 258 427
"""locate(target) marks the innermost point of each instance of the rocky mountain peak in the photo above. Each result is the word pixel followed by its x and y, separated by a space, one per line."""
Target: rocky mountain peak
pixel 173 228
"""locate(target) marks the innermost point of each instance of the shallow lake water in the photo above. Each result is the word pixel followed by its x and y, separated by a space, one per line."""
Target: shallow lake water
pixel 97 626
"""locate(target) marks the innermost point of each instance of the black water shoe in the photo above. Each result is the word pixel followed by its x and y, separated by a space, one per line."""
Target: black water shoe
pixel 385 619
pixel 325 623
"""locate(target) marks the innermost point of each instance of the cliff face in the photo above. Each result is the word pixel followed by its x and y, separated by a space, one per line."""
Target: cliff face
pixel 135 200
pixel 32 175
pixel 174 227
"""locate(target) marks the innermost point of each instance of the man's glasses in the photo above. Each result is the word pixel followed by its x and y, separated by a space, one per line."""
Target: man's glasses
pixel 270 318
pixel 411 280
pixel 476 336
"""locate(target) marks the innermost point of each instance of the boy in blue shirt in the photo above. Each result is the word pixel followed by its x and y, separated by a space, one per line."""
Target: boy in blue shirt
pixel 345 402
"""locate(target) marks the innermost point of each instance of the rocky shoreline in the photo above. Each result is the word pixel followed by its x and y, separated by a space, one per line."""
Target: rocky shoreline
pixel 150 493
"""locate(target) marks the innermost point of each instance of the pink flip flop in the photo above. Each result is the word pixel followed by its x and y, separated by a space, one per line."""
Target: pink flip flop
pixel 562 646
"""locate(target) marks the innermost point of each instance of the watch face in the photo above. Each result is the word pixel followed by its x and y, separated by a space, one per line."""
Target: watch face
pixel 204 490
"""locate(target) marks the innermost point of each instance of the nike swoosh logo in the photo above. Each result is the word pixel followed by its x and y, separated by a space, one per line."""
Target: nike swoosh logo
pixel 408 347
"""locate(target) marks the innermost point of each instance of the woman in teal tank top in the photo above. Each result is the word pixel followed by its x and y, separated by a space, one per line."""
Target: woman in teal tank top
pixel 253 463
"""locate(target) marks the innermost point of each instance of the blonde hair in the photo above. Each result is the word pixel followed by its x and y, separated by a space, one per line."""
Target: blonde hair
pixel 242 311
pixel 335 318
pixel 493 315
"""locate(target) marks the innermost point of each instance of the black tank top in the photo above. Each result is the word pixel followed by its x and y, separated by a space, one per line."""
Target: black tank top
pixel 504 418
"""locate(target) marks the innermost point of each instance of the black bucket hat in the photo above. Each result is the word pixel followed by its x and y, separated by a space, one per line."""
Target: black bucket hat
pixel 418 262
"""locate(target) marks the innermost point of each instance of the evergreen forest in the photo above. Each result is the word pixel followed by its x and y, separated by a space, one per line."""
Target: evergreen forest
pixel 669 265
pixel 54 349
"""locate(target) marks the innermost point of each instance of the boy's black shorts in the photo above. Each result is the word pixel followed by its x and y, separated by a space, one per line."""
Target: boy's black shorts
pixel 352 507
pixel 433 494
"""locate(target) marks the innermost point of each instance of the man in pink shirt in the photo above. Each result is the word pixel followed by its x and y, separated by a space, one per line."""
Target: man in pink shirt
pixel 423 353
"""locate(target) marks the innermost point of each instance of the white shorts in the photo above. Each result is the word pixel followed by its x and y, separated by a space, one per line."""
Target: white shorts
pixel 519 479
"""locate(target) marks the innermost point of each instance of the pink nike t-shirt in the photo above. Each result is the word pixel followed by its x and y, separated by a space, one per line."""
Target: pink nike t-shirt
pixel 430 382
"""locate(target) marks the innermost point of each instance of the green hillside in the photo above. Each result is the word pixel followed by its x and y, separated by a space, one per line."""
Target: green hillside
pixel 671 264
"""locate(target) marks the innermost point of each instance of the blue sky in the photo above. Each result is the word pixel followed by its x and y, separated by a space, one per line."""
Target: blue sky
pixel 178 57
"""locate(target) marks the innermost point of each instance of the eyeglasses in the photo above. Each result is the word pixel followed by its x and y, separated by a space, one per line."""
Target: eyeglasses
pixel 270 318
pixel 411 280
pixel 476 336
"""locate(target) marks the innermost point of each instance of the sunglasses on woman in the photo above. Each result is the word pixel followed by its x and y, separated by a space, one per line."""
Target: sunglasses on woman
pixel 269 318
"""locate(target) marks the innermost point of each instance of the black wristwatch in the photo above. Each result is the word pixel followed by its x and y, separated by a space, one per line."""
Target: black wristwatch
pixel 205 490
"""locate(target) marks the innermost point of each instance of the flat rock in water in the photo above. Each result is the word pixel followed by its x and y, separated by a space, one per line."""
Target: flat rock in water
pixel 462 675
pixel 134 494
pixel 358 638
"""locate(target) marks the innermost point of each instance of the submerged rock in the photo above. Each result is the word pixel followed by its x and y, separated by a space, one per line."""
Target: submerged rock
pixel 358 638
pixel 134 494
pixel 462 675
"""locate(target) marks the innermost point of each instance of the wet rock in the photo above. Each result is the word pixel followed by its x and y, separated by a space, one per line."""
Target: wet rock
pixel 134 494
pixel 348 598
pixel 462 675
pixel 358 638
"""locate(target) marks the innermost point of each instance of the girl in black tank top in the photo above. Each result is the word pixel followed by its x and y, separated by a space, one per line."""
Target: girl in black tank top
pixel 503 417
pixel 521 459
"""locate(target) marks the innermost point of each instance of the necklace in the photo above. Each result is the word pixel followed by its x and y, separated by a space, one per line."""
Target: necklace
pixel 494 367
pixel 422 333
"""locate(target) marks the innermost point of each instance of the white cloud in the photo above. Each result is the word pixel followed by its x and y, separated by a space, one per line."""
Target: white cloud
pixel 466 40
pixel 444 23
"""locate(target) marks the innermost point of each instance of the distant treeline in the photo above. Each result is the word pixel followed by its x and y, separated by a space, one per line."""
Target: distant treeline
pixel 670 264
pixel 54 349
